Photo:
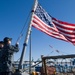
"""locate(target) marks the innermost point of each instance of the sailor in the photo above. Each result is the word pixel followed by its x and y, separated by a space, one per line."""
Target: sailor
pixel 7 54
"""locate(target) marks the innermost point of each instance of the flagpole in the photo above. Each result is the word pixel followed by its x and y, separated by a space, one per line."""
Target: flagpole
pixel 26 38
pixel 30 57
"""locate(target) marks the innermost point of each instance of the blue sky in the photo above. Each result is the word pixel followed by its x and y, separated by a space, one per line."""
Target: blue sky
pixel 13 15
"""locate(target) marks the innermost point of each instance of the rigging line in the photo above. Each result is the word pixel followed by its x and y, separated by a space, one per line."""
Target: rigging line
pixel 25 23
pixel 21 33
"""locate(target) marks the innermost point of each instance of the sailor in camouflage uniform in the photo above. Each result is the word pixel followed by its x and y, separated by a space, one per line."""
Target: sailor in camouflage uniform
pixel 7 54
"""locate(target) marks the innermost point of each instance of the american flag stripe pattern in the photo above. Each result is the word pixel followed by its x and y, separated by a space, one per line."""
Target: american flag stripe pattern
pixel 53 27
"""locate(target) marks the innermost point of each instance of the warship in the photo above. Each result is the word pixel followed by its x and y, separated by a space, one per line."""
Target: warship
pixel 50 65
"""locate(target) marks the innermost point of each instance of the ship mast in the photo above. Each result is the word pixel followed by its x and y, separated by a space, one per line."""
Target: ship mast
pixel 27 37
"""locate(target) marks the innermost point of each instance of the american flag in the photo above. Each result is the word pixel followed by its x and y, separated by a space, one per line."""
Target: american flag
pixel 53 27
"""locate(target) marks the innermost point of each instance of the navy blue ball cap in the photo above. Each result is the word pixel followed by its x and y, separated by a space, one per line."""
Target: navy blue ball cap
pixel 7 39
